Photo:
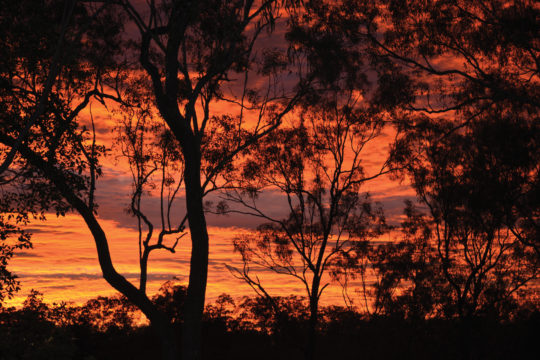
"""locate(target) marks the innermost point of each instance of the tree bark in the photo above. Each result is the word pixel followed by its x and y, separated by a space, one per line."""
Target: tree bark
pixel 194 305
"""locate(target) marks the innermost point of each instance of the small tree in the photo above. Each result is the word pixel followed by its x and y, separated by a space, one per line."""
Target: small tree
pixel 156 167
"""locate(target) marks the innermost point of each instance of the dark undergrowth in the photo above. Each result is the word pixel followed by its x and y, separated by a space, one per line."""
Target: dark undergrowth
pixel 107 328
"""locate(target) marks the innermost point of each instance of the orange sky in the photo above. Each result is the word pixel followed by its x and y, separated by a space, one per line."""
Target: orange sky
pixel 63 264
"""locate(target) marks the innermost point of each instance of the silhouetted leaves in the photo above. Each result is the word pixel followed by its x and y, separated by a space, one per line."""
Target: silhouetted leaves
pixel 238 328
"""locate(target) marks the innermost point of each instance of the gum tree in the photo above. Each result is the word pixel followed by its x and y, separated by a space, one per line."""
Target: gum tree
pixel 197 55
pixel 54 165
pixel 315 165
pixel 192 56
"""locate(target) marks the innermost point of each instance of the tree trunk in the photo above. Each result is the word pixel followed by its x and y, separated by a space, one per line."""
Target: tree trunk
pixel 194 305
pixel 169 346
pixel 464 337
pixel 159 322
pixel 313 320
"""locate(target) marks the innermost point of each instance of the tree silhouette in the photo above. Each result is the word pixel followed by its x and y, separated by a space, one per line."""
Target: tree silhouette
pixel 156 165
pixel 55 167
pixel 459 78
pixel 470 62
pixel 457 176
pixel 316 165
pixel 407 281
pixel 195 49
pixel 464 56
pixel 190 51
pixel 15 207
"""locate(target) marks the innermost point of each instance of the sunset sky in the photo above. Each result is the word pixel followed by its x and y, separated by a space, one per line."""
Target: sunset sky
pixel 267 179
pixel 63 263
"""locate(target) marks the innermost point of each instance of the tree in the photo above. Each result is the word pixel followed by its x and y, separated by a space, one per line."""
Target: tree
pixel 456 177
pixel 55 166
pixel 469 179
pixel 469 67
pixel 315 164
pixel 190 51
pixel 156 164
pixel 469 61
pixel 462 60
pixel 105 314
pixel 195 48
pixel 452 73
pixel 404 277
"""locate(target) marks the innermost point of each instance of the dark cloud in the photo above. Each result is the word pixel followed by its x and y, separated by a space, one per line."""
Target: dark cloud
pixel 59 287
pixel 90 276
pixel 27 254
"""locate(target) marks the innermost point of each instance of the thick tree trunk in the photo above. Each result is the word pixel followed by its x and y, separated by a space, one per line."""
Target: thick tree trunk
pixel 194 305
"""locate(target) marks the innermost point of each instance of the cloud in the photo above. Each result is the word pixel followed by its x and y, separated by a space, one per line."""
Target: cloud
pixel 27 254
pixel 92 276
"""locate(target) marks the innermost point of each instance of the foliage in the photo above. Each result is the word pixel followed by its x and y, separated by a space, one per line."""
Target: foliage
pixel 12 238
pixel 170 300
pixel 238 328
pixel 41 95
pixel 450 272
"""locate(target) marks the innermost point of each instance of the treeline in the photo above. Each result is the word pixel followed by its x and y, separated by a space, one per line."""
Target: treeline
pixel 111 328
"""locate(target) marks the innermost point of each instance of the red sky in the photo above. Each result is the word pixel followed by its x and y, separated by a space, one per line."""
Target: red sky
pixel 63 264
